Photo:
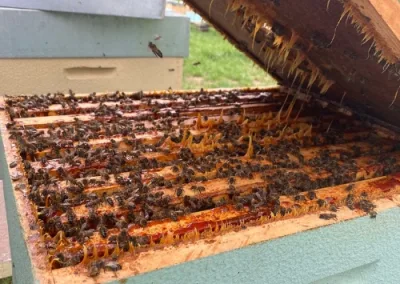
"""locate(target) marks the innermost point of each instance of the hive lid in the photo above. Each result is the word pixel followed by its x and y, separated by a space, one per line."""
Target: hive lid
pixel 348 51
pixel 150 9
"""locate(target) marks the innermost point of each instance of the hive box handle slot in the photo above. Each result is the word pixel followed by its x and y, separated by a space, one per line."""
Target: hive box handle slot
pixel 87 73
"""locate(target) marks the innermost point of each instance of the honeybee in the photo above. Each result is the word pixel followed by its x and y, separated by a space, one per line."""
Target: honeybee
pixel 155 50
pixel 327 216
pixel 179 191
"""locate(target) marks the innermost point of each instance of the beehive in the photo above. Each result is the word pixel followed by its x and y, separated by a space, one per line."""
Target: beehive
pixel 111 185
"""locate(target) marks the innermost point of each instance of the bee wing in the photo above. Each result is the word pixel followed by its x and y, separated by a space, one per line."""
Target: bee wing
pixel 158 53
pixel 154 52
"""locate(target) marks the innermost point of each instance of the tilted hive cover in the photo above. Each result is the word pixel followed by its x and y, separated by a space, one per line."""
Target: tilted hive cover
pixel 347 51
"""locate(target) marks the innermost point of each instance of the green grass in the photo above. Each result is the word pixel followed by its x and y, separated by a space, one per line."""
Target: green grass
pixel 6 280
pixel 221 64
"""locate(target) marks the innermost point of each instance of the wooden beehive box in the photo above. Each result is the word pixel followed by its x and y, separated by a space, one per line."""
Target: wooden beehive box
pixel 105 187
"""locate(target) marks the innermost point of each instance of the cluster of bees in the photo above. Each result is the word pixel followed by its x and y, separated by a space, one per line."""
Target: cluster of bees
pixel 161 156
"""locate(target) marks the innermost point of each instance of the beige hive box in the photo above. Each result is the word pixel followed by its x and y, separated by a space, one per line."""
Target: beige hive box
pixel 88 74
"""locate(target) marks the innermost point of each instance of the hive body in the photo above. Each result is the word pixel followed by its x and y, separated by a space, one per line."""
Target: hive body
pixel 148 180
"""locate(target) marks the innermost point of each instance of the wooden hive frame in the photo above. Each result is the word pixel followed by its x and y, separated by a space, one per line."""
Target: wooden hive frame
pixel 313 133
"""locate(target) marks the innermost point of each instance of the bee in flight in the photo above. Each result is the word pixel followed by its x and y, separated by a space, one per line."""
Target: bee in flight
pixel 155 50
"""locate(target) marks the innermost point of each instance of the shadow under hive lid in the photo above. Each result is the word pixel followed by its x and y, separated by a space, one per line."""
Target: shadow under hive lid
pixel 346 50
